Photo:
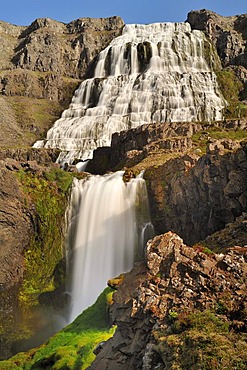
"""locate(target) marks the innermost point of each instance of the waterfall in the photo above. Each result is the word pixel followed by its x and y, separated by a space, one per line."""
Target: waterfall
pixel 107 219
pixel 151 73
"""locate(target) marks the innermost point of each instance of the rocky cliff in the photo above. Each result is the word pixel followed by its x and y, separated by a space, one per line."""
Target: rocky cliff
pixel 191 193
pixel 229 36
pixel 40 67
pixel 33 192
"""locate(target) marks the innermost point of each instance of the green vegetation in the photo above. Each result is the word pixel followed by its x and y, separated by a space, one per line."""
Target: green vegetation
pixel 32 112
pixel 201 341
pixel 211 55
pixel 200 139
pixel 28 107
pixel 48 194
pixel 45 197
pixel 200 247
pixel 71 348
pixel 231 87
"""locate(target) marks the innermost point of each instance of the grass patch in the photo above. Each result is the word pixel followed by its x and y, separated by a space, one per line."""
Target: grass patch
pixel 72 347
pixel 201 341
pixel 200 139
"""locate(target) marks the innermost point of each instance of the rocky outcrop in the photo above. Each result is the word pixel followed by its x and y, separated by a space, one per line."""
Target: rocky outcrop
pixel 235 233
pixel 174 279
pixel 50 46
pixel 196 197
pixel 189 194
pixel 130 147
pixel 41 156
pixel 55 50
pixel 67 49
pixel 229 36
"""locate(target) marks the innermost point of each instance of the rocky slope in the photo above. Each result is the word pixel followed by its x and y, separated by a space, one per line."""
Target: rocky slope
pixel 40 67
pixel 156 298
pixel 182 308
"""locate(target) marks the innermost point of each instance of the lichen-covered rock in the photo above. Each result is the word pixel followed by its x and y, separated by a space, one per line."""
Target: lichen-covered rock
pixel 176 279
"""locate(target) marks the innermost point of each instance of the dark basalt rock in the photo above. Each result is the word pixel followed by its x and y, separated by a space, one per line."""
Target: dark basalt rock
pixel 195 198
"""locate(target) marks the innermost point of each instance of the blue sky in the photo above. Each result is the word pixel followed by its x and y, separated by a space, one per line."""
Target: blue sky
pixel 23 12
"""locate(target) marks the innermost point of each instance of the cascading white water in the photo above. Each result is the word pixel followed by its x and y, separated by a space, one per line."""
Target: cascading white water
pixel 152 73
pixel 106 218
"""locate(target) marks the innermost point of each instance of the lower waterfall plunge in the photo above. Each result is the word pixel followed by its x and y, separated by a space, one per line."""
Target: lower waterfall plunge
pixel 108 226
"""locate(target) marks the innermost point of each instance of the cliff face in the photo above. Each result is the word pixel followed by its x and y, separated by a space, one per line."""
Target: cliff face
pixel 40 67
pixel 191 194
pixel 17 218
pixel 229 36
pixel 15 228
pixel 65 49
pixel 197 198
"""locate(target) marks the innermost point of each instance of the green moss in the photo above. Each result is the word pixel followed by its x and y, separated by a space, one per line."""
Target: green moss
pixel 211 55
pixel 200 247
pixel 48 194
pixel 72 347
pixel 231 87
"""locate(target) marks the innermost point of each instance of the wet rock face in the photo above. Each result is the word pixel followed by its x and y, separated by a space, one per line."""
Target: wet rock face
pixel 175 278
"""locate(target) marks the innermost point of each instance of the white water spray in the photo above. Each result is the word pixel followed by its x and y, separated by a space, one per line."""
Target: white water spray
pixel 108 233
pixel 152 73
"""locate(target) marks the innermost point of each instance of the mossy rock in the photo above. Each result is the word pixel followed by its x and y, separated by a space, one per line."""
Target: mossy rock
pixel 73 347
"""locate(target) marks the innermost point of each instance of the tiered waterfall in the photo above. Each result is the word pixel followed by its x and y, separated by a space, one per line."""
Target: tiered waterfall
pixel 151 73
